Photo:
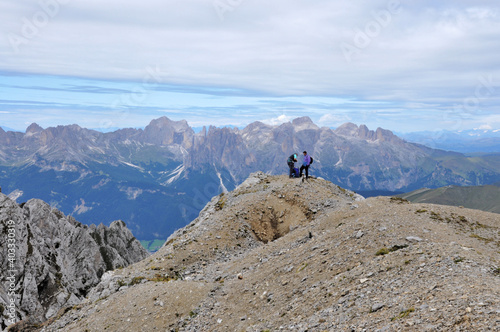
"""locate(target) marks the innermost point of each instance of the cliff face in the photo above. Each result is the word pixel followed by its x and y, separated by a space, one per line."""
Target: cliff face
pixel 57 259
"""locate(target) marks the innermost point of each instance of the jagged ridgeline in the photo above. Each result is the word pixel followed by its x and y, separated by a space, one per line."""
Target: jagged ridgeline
pixel 278 254
pixel 157 179
pixel 57 260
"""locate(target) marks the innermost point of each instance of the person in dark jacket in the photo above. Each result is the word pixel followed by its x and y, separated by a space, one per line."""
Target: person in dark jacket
pixel 291 164
pixel 305 164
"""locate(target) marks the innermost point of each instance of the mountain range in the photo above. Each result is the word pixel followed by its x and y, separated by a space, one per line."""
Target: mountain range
pixel 157 179
pixel 465 141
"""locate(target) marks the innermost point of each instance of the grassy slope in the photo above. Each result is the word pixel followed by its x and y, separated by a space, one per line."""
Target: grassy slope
pixel 486 198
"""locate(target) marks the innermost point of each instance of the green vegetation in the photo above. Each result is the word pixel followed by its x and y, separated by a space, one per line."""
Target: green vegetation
pixel 302 267
pixel 403 314
pixel 484 239
pixel 166 277
pixel 399 200
pixel 220 204
pixel 385 251
pixel 135 281
pixel 436 216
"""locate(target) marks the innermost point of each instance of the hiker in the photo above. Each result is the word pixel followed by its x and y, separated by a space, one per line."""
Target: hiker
pixel 291 164
pixel 305 165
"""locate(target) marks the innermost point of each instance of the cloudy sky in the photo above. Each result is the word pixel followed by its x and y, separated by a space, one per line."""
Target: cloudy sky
pixel 399 65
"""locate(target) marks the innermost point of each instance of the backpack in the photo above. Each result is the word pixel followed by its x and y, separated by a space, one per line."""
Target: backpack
pixel 296 172
pixel 311 160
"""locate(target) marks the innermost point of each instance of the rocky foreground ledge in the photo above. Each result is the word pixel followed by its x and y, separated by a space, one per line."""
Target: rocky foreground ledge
pixel 279 254
pixel 50 261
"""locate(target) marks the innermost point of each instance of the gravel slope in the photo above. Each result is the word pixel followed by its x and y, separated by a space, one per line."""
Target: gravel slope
pixel 279 254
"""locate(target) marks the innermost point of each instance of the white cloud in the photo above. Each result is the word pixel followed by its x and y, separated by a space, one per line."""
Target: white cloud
pixel 333 120
pixel 428 53
pixel 278 120
pixel 485 127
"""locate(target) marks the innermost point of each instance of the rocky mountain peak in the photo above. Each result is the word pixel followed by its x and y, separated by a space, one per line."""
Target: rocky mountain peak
pixel 58 260
pixel 347 129
pixel 163 131
pixel 166 122
pixel 362 132
pixel 33 129
pixel 304 123
pixel 256 126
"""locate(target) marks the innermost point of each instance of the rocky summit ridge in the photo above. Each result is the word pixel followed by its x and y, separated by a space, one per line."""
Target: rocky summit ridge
pixel 282 254
pixel 56 260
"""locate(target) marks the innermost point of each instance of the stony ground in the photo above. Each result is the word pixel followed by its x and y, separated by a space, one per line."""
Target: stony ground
pixel 278 254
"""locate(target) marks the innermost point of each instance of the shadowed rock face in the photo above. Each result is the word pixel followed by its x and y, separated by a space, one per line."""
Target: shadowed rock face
pixel 58 259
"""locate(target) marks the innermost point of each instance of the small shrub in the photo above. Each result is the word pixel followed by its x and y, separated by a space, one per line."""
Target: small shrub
pixel 397 247
pixel 220 204
pixel 383 251
pixel 302 267
pixel 421 211
pixel 403 314
pixel 436 216
pixel 399 200
pixel 135 281
pixel 484 239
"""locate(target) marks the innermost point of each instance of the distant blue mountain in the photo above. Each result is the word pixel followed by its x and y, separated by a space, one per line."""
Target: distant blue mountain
pixel 8 129
pixel 467 141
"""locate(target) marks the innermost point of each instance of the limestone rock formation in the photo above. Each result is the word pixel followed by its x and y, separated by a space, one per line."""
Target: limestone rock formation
pixel 54 260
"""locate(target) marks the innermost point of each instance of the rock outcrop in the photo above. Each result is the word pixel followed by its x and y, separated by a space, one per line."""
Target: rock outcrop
pixel 52 261
pixel 278 254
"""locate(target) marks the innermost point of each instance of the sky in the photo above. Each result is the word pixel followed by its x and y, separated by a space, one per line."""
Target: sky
pixel 397 64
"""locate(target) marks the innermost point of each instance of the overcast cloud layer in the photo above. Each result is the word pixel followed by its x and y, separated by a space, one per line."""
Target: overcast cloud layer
pixel 402 65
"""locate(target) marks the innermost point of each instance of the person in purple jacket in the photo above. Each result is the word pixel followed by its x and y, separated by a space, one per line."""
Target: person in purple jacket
pixel 305 164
